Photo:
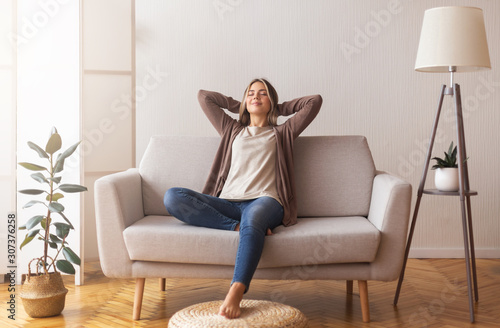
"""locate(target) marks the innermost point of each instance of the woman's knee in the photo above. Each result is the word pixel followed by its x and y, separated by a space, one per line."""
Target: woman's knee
pixel 256 216
pixel 264 213
pixel 171 198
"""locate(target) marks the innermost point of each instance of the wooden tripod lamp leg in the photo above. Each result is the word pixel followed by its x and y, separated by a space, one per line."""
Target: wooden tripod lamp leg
pixel 420 190
pixel 463 188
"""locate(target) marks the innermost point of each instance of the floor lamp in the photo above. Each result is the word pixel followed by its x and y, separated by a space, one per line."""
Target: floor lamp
pixel 453 39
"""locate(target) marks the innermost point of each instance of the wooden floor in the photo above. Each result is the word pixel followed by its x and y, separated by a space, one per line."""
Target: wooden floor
pixel 434 295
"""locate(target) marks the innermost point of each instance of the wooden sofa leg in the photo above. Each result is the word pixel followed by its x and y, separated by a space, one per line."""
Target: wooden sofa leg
pixel 363 295
pixel 139 293
pixel 349 287
pixel 163 284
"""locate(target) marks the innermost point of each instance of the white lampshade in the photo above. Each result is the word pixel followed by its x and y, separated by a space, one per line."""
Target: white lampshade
pixel 453 37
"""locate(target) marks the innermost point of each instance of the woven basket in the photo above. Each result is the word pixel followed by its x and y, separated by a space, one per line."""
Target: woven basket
pixel 43 295
pixel 262 314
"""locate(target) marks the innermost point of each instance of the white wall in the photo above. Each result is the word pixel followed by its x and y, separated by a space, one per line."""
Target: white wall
pixel 359 55
pixel 8 130
pixel 72 54
pixel 108 108
pixel 48 95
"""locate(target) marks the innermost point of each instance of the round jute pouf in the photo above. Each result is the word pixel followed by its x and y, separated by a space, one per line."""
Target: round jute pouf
pixel 263 314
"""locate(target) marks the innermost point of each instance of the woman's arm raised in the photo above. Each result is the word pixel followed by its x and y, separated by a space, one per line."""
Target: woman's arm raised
pixel 306 109
pixel 213 103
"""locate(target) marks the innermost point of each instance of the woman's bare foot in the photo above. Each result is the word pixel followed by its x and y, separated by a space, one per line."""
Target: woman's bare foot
pixel 230 308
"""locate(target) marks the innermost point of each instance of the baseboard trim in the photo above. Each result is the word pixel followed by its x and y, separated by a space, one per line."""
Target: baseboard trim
pixel 452 253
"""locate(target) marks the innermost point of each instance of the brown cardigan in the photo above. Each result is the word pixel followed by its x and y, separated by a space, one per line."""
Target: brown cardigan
pixel 306 109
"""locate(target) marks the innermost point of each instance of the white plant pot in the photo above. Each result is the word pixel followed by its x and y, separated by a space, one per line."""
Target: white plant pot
pixel 446 179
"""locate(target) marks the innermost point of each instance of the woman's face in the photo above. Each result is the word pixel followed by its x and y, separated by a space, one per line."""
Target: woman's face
pixel 258 102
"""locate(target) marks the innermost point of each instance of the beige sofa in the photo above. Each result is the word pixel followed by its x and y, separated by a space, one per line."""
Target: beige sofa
pixel 352 225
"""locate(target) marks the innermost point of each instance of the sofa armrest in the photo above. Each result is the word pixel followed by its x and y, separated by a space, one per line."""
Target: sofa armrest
pixel 390 213
pixel 118 204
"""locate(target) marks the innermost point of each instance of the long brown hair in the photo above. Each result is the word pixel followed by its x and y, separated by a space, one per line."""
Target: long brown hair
pixel 272 116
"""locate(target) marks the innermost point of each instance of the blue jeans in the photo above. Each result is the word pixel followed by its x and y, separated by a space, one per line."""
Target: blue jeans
pixel 254 217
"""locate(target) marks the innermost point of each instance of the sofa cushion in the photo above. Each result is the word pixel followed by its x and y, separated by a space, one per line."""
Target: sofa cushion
pixel 334 174
pixel 311 241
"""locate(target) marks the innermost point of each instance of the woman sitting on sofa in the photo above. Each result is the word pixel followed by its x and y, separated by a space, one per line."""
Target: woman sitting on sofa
pixel 251 186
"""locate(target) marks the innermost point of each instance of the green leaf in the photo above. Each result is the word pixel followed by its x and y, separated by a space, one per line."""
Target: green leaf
pixel 59 165
pixel 447 158
pixel 56 207
pixel 55 197
pixel 34 221
pixel 56 179
pixel 33 202
pixel 31 191
pixel 62 229
pixel 39 177
pixel 450 150
pixel 454 155
pixel 54 143
pixel 55 239
pixel 32 167
pixel 33 233
pixel 43 223
pixel 38 149
pixel 53 245
pixel 25 242
pixel 66 219
pixel 71 256
pixel 440 162
pixel 29 237
pixel 65 266
pixel 68 152
pixel 72 188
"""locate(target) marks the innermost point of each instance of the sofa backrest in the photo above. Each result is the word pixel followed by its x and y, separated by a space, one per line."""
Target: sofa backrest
pixel 334 174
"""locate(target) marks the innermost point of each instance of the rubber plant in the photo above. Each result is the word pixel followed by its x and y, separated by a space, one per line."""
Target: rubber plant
pixel 52 226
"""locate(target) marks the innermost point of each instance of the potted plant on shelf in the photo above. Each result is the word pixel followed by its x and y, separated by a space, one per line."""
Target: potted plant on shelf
pixel 43 294
pixel 446 177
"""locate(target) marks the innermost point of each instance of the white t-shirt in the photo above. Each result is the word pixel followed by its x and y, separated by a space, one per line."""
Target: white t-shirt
pixel 253 165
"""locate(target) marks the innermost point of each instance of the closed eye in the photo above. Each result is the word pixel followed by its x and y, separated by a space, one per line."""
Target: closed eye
pixel 261 92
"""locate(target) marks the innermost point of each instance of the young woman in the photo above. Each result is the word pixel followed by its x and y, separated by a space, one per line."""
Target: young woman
pixel 251 186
